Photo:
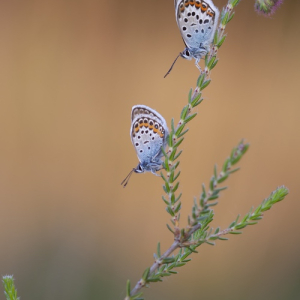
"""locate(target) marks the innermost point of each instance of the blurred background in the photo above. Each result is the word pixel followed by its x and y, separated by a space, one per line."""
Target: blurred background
pixel 70 73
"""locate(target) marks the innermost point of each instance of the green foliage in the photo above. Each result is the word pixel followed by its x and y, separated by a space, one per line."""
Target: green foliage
pixel 10 291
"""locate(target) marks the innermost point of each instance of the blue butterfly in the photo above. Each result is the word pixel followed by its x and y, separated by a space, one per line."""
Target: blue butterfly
pixel 149 133
pixel 197 21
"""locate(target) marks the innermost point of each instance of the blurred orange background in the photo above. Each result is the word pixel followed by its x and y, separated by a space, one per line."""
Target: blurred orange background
pixel 70 73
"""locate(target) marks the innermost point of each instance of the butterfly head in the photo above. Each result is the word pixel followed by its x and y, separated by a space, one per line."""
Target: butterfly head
pixel 186 53
pixel 138 169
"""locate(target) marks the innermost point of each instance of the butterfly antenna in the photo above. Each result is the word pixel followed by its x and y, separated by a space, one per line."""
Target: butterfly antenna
pixel 172 65
pixel 125 181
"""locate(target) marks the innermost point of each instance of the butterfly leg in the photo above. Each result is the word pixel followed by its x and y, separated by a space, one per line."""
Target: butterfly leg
pixel 153 172
pixel 197 60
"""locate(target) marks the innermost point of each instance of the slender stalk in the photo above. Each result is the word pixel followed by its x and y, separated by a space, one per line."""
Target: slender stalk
pixel 141 283
pixel 178 243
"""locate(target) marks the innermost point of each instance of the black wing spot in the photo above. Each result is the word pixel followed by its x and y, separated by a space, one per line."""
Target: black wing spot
pixel 196 30
pixel 137 144
pixel 184 28
pixel 141 151
pixel 202 30
pixel 189 14
pixel 206 21
pixel 185 20
pixel 188 35
pixel 197 17
pixel 200 21
pixel 193 13
pixel 146 142
pixel 139 136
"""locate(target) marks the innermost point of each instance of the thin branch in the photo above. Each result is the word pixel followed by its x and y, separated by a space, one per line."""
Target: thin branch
pixel 179 240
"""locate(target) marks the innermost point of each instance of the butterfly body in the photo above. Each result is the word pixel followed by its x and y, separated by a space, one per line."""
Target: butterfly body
pixel 149 133
pixel 197 21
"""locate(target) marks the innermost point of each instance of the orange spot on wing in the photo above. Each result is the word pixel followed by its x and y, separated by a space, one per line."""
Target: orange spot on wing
pixel 210 13
pixel 203 8
pixel 143 124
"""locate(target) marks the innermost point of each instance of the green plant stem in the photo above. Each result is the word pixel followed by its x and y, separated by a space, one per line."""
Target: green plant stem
pixel 176 244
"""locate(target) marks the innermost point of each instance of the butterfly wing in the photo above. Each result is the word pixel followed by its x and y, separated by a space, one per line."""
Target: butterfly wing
pixel 197 21
pixel 148 133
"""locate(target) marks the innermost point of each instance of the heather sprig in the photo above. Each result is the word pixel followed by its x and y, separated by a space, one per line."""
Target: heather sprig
pixel 197 232
pixel 10 291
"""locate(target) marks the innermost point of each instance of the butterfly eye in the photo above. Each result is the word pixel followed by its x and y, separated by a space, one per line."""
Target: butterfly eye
pixel 187 53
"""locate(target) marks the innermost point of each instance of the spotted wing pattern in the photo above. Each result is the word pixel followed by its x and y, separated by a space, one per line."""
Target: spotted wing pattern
pixel 148 134
pixel 197 21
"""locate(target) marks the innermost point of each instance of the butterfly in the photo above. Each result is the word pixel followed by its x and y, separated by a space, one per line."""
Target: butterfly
pixel 149 133
pixel 197 21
